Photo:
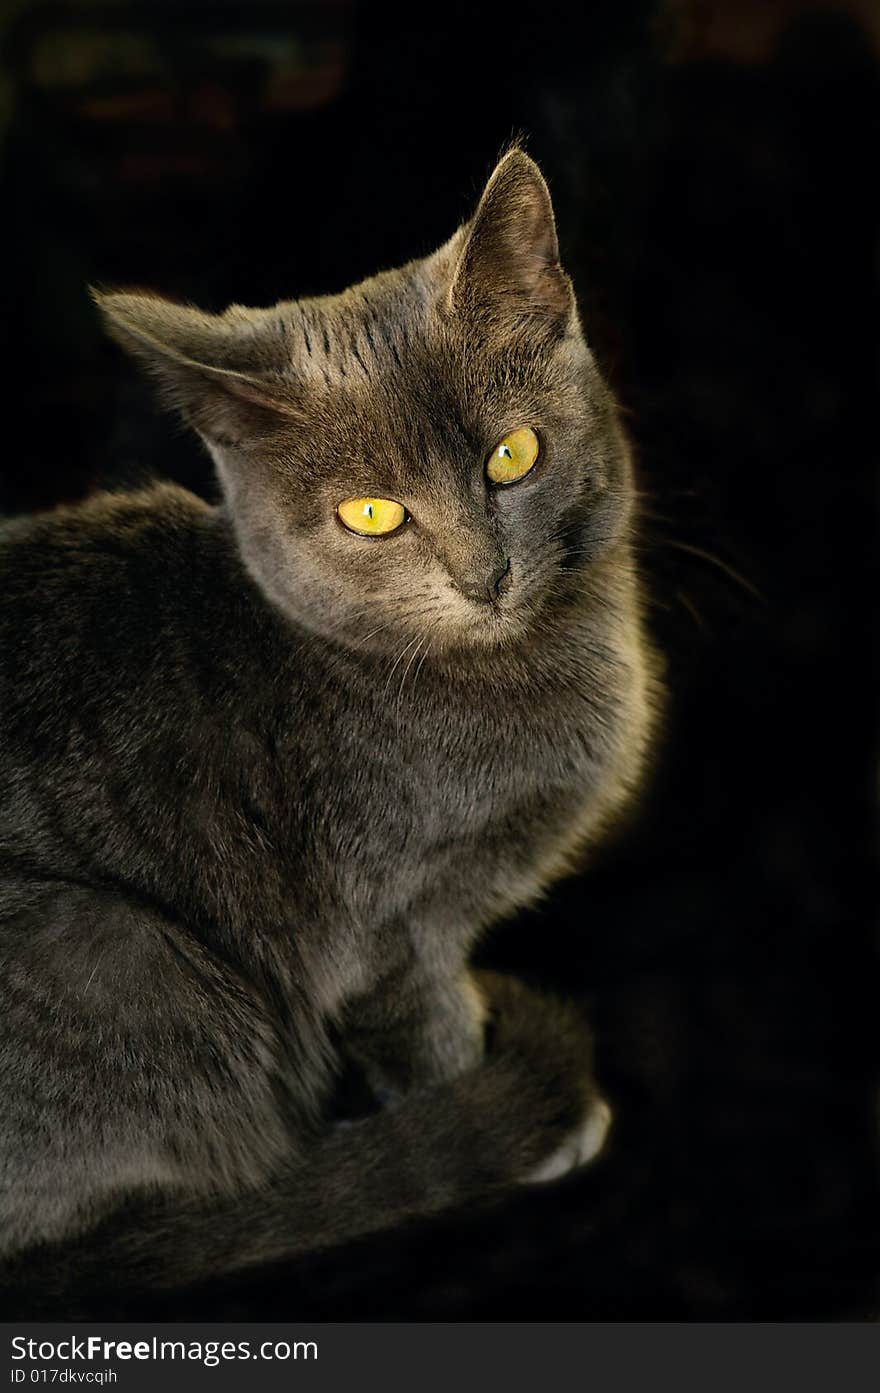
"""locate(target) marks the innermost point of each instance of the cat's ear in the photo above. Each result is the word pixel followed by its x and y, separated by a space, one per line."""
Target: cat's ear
pixel 509 253
pixel 217 370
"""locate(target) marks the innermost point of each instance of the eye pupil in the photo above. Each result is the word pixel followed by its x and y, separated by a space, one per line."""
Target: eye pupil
pixel 513 456
pixel 371 517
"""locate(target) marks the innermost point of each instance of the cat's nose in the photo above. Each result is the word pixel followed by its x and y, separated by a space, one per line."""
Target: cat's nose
pixel 485 587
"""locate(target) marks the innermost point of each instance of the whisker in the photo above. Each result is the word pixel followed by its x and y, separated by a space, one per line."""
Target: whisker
pixel 411 660
pixel 372 633
pixel 100 959
pixel 421 664
pixel 400 655
pixel 716 561
pixel 691 608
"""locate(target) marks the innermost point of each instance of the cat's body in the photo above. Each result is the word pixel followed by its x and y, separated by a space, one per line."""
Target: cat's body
pixel 248 826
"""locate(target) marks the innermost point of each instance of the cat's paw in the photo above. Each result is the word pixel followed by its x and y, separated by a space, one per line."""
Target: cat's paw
pixel 546 1104
pixel 580 1147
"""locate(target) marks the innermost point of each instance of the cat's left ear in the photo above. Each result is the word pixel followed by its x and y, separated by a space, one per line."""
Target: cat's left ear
pixel 224 373
pixel 509 253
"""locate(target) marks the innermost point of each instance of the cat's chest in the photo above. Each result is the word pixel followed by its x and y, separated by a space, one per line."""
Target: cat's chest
pixel 419 823
pixel 479 770
pixel 473 790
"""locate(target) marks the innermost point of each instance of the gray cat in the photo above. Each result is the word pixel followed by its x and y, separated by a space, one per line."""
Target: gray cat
pixel 269 769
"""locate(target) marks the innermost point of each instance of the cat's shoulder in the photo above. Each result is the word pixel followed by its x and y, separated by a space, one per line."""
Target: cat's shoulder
pixel 89 545
pixel 102 520
pixel 110 566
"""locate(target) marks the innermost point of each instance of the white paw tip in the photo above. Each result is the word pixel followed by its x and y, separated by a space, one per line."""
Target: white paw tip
pixel 579 1149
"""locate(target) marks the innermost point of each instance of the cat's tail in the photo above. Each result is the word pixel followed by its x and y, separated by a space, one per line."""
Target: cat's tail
pixel 530 1111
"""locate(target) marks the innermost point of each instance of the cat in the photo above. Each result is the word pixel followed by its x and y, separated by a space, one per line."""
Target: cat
pixel 268 769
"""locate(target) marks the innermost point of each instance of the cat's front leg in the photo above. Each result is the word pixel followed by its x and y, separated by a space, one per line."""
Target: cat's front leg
pixel 413 1030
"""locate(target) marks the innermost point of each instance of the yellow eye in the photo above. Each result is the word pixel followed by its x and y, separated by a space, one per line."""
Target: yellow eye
pixel 513 456
pixel 371 517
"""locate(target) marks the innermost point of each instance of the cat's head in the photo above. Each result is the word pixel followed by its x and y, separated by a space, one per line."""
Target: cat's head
pixel 429 458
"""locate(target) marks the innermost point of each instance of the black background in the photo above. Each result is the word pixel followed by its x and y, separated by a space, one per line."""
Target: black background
pixel 714 169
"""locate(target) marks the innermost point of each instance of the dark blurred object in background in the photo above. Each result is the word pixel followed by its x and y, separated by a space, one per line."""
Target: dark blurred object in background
pixel 714 169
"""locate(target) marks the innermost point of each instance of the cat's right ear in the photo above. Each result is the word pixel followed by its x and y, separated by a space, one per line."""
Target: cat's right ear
pixel 217 370
pixel 507 256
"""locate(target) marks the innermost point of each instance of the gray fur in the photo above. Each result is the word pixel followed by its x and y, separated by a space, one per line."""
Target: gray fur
pixel 263 784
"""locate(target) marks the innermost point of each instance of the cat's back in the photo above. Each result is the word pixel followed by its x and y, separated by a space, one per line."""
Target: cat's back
pixel 109 651
pixel 88 564
pixel 103 599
